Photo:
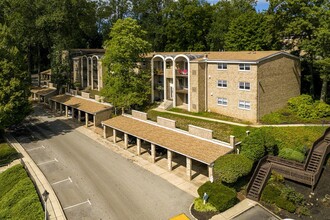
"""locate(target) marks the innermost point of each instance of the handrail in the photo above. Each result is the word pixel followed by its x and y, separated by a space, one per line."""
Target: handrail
pixel 261 161
pixel 319 167
pixel 314 145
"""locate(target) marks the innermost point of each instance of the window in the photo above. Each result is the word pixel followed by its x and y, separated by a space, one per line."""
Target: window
pixel 222 83
pixel 222 66
pixel 244 67
pixel 168 65
pixel 244 85
pixel 244 105
pixel 222 101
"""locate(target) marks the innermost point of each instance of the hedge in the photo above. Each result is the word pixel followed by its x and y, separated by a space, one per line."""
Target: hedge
pixel 220 196
pixel 291 154
pixel 230 167
pixel 259 143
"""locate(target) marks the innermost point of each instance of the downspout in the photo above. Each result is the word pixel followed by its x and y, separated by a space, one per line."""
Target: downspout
pixel 152 80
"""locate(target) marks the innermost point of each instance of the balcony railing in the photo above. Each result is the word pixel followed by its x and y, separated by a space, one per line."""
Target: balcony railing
pixel 181 72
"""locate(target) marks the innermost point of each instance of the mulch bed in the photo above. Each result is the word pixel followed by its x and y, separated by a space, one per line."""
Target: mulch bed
pixel 202 215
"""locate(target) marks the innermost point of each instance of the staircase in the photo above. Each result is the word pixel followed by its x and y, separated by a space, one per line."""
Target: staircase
pixel 167 104
pixel 307 173
pixel 314 162
pixel 254 190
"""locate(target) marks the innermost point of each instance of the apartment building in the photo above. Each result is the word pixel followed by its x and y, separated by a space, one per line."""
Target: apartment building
pixel 87 68
pixel 244 85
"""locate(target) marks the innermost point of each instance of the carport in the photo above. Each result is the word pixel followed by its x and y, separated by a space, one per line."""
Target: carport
pixel 90 111
pixel 42 94
pixel 175 141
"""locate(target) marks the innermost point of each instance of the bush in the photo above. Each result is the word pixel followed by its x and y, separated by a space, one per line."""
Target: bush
pixel 290 154
pixel 306 108
pixel 283 203
pixel 270 193
pixel 230 167
pixel 220 196
pixel 199 206
pixel 258 143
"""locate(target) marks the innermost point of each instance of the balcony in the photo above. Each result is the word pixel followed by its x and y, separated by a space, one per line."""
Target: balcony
pixel 181 72
pixel 182 89
pixel 159 72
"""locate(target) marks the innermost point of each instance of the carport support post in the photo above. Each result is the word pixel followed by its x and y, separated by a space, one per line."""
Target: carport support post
pixel 233 142
pixel 114 136
pixel 153 153
pixel 211 172
pixel 61 109
pixel 66 111
pixel 188 167
pixel 55 107
pixel 169 160
pixel 86 119
pixel 72 113
pixel 138 146
pixel 79 115
pixel 125 140
pixel 104 131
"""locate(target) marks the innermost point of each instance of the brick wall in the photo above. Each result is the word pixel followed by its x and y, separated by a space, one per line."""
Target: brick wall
pixel 279 80
pixel 139 115
pixel 166 122
pixel 201 132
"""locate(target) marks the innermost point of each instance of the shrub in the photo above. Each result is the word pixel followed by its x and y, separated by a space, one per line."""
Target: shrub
pixel 220 196
pixel 283 203
pixel 258 143
pixel 290 154
pixel 295 102
pixel 270 193
pixel 199 206
pixel 306 108
pixel 230 167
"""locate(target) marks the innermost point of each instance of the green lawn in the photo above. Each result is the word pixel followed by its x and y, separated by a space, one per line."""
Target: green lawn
pixel 291 137
pixel 7 153
pixel 18 197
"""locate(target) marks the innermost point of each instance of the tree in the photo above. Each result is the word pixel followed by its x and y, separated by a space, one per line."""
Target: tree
pixel 126 84
pixel 249 32
pixel 224 13
pixel 14 83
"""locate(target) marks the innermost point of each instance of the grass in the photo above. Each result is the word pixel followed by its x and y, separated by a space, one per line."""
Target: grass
pixel 220 131
pixel 290 137
pixel 209 115
pixel 18 197
pixel 286 116
pixel 7 153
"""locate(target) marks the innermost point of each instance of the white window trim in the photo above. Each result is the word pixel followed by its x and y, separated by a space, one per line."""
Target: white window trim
pixel 222 87
pixel 239 69
pixel 239 87
pixel 222 101
pixel 244 108
pixel 222 66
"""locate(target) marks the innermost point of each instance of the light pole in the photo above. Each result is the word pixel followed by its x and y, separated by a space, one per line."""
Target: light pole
pixel 45 197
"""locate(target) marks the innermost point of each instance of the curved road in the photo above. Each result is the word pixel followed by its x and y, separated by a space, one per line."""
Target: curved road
pixel 91 181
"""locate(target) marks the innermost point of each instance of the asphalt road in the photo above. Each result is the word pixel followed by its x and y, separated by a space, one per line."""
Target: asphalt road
pixel 91 181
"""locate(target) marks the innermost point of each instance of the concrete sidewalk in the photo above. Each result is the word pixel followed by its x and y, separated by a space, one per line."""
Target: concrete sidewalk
pixel 54 208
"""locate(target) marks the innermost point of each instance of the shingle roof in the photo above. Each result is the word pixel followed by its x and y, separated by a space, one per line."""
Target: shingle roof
pixel 81 103
pixel 252 56
pixel 196 148
pixel 42 91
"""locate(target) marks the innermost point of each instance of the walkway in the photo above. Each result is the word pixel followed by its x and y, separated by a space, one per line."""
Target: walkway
pixel 236 123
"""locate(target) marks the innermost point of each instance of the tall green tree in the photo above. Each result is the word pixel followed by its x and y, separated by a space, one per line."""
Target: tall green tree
pixel 224 13
pixel 126 84
pixel 249 31
pixel 14 83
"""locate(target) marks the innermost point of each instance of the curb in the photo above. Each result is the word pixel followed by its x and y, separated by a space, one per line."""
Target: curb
pixel 54 208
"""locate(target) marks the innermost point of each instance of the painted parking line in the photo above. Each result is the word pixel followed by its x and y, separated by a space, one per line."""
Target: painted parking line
pixel 82 203
pixel 50 161
pixel 61 181
pixel 36 148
